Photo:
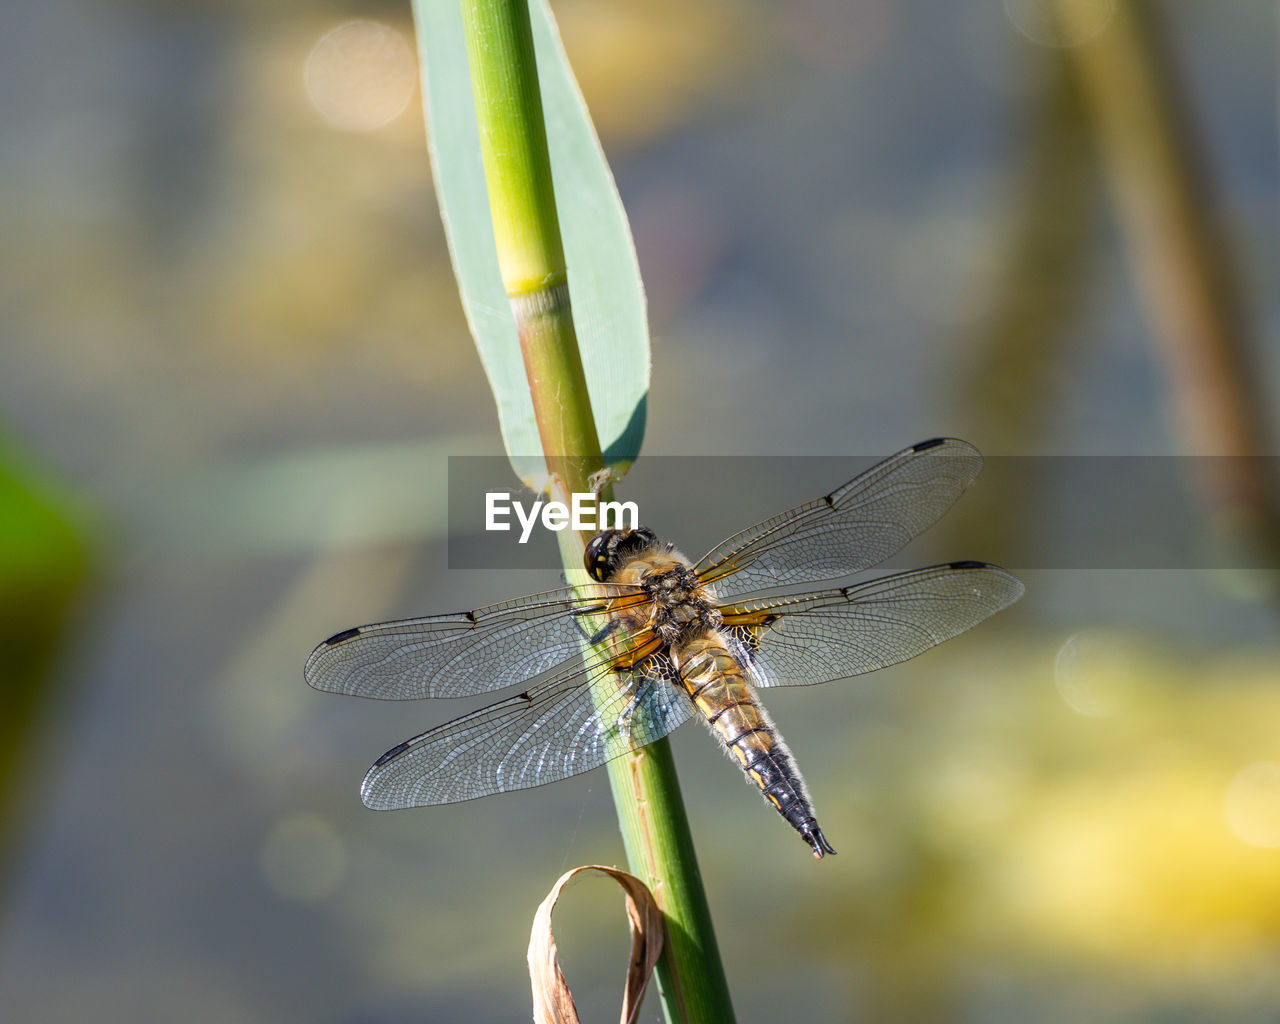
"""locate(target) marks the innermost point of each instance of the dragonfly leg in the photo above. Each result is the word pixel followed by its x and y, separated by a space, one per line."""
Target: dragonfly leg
pixel 605 631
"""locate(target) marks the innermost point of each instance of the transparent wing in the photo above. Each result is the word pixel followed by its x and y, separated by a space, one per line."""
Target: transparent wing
pixel 548 733
pixel 832 634
pixel 852 528
pixel 463 653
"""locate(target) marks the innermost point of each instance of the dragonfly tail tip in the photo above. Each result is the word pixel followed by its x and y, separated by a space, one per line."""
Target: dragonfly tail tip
pixel 818 842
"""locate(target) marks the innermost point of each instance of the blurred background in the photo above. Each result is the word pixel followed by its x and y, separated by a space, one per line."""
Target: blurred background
pixel 234 366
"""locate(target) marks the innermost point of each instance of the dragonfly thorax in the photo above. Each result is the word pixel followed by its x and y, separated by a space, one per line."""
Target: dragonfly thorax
pixel 681 606
pixel 678 604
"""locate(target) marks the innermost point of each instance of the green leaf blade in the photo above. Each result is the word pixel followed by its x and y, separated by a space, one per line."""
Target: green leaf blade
pixel 604 276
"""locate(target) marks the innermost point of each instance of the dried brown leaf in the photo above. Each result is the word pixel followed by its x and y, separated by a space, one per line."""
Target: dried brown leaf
pixel 552 1000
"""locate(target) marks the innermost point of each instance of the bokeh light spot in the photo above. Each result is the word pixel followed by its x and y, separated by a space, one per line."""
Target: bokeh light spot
pixel 303 858
pixel 360 75
pixel 1041 22
pixel 1252 805
pixel 1095 673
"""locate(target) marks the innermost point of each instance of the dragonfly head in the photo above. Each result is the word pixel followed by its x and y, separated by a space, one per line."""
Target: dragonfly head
pixel 609 550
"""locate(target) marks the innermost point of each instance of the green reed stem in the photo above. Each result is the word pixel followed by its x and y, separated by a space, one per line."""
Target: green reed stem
pixel 526 229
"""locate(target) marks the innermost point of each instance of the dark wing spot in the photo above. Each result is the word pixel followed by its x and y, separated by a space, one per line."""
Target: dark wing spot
pixel 392 754
pixel 342 637
pixel 924 446
pixel 523 696
pixel 969 565
pixel 748 637
pixel 470 616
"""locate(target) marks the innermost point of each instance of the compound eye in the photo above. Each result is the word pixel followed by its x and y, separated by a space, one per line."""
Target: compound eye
pixel 596 558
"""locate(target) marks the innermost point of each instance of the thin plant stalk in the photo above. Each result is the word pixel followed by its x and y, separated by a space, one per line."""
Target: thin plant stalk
pixel 531 258
pixel 1179 254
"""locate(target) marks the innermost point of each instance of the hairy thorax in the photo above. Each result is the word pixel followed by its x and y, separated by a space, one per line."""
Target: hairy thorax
pixel 680 607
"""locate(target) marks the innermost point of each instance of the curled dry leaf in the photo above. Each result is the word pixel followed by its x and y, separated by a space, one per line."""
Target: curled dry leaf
pixel 552 1000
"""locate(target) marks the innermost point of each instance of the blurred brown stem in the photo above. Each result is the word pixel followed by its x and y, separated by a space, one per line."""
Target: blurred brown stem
pixel 1179 254
pixel 1022 332
pixel 1022 328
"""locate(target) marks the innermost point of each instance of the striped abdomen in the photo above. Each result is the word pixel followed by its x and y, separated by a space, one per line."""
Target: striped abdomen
pixel 715 682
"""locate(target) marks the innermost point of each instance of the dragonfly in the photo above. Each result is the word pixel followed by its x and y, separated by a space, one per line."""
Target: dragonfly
pixel 657 639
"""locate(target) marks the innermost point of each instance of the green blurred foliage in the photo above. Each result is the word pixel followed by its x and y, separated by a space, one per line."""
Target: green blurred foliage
pixel 44 563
